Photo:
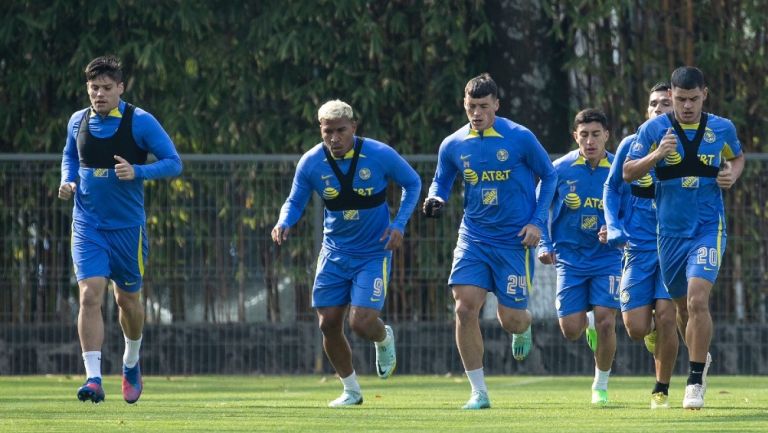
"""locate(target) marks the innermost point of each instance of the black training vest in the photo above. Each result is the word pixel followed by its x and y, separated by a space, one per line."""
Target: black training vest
pixel 691 165
pixel 348 198
pixel 643 191
pixel 98 152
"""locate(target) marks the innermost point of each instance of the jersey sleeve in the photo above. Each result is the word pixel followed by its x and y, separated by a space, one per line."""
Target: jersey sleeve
pixel 151 136
pixel 445 173
pixel 301 191
pixel 732 147
pixel 538 160
pixel 644 139
pixel 70 159
pixel 404 175
pixel 616 195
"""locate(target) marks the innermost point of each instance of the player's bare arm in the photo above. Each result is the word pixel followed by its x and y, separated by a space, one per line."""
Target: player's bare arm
pixel 636 168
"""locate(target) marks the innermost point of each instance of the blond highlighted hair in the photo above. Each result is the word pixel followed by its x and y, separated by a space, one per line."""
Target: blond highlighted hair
pixel 336 109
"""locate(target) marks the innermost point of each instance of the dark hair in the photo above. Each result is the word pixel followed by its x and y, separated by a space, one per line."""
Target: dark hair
pixel 661 86
pixel 104 65
pixel 687 77
pixel 589 115
pixel 481 86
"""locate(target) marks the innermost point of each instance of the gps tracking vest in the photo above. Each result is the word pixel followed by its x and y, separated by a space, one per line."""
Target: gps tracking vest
pixel 691 165
pixel 98 152
pixel 348 198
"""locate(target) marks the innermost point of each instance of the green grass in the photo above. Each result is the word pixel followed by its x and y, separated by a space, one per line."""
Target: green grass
pixel 400 404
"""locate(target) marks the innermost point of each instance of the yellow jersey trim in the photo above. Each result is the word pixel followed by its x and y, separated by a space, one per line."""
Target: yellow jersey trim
pixel 490 132
pixel 114 113
pixel 582 161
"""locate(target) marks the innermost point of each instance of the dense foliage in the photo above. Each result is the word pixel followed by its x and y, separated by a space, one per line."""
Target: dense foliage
pixel 247 77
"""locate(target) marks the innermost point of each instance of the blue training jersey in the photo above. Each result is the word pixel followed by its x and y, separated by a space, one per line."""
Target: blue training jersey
pixel 354 232
pixel 630 219
pixel 102 200
pixel 499 167
pixel 577 215
pixel 689 206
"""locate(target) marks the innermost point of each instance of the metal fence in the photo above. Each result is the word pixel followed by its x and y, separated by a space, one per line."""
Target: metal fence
pixel 213 266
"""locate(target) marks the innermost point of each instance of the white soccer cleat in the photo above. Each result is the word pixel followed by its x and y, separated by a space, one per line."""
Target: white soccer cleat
pixel 694 397
pixel 347 398
pixel 386 358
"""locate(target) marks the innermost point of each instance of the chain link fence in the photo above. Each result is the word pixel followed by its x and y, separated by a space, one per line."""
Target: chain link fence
pixel 221 297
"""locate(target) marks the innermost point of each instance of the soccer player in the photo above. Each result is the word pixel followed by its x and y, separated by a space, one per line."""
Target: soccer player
pixel 630 215
pixel 588 272
pixel 104 167
pixel 695 155
pixel 503 219
pixel 351 174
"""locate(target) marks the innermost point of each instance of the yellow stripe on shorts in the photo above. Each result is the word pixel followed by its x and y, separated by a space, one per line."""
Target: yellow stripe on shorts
pixel 141 253
pixel 528 269
pixel 384 275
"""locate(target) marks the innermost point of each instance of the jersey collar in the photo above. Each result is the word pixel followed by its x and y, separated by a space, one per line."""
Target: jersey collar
pixel 603 162
pixel 490 132
pixel 114 113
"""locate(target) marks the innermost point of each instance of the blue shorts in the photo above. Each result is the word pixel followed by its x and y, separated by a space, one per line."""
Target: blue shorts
pixel 685 258
pixel 507 272
pixel 581 292
pixel 343 280
pixel 641 282
pixel 118 255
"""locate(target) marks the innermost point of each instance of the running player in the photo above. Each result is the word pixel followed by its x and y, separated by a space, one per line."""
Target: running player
pixel 351 174
pixel 104 167
pixel 695 156
pixel 588 272
pixel 499 161
pixel 630 214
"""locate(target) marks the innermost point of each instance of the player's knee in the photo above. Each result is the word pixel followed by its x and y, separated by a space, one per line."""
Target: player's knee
pixel 90 298
pixel 330 325
pixel 605 324
pixel 571 332
pixel 466 312
pixel 698 305
pixel 129 303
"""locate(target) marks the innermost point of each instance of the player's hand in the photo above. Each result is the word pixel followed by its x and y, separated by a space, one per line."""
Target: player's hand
pixel 124 169
pixel 395 238
pixel 530 234
pixel 668 145
pixel 279 234
pixel 433 206
pixel 725 177
pixel 66 190
pixel 547 257
pixel 602 235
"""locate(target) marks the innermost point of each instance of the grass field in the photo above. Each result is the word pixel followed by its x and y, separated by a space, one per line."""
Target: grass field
pixel 400 404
